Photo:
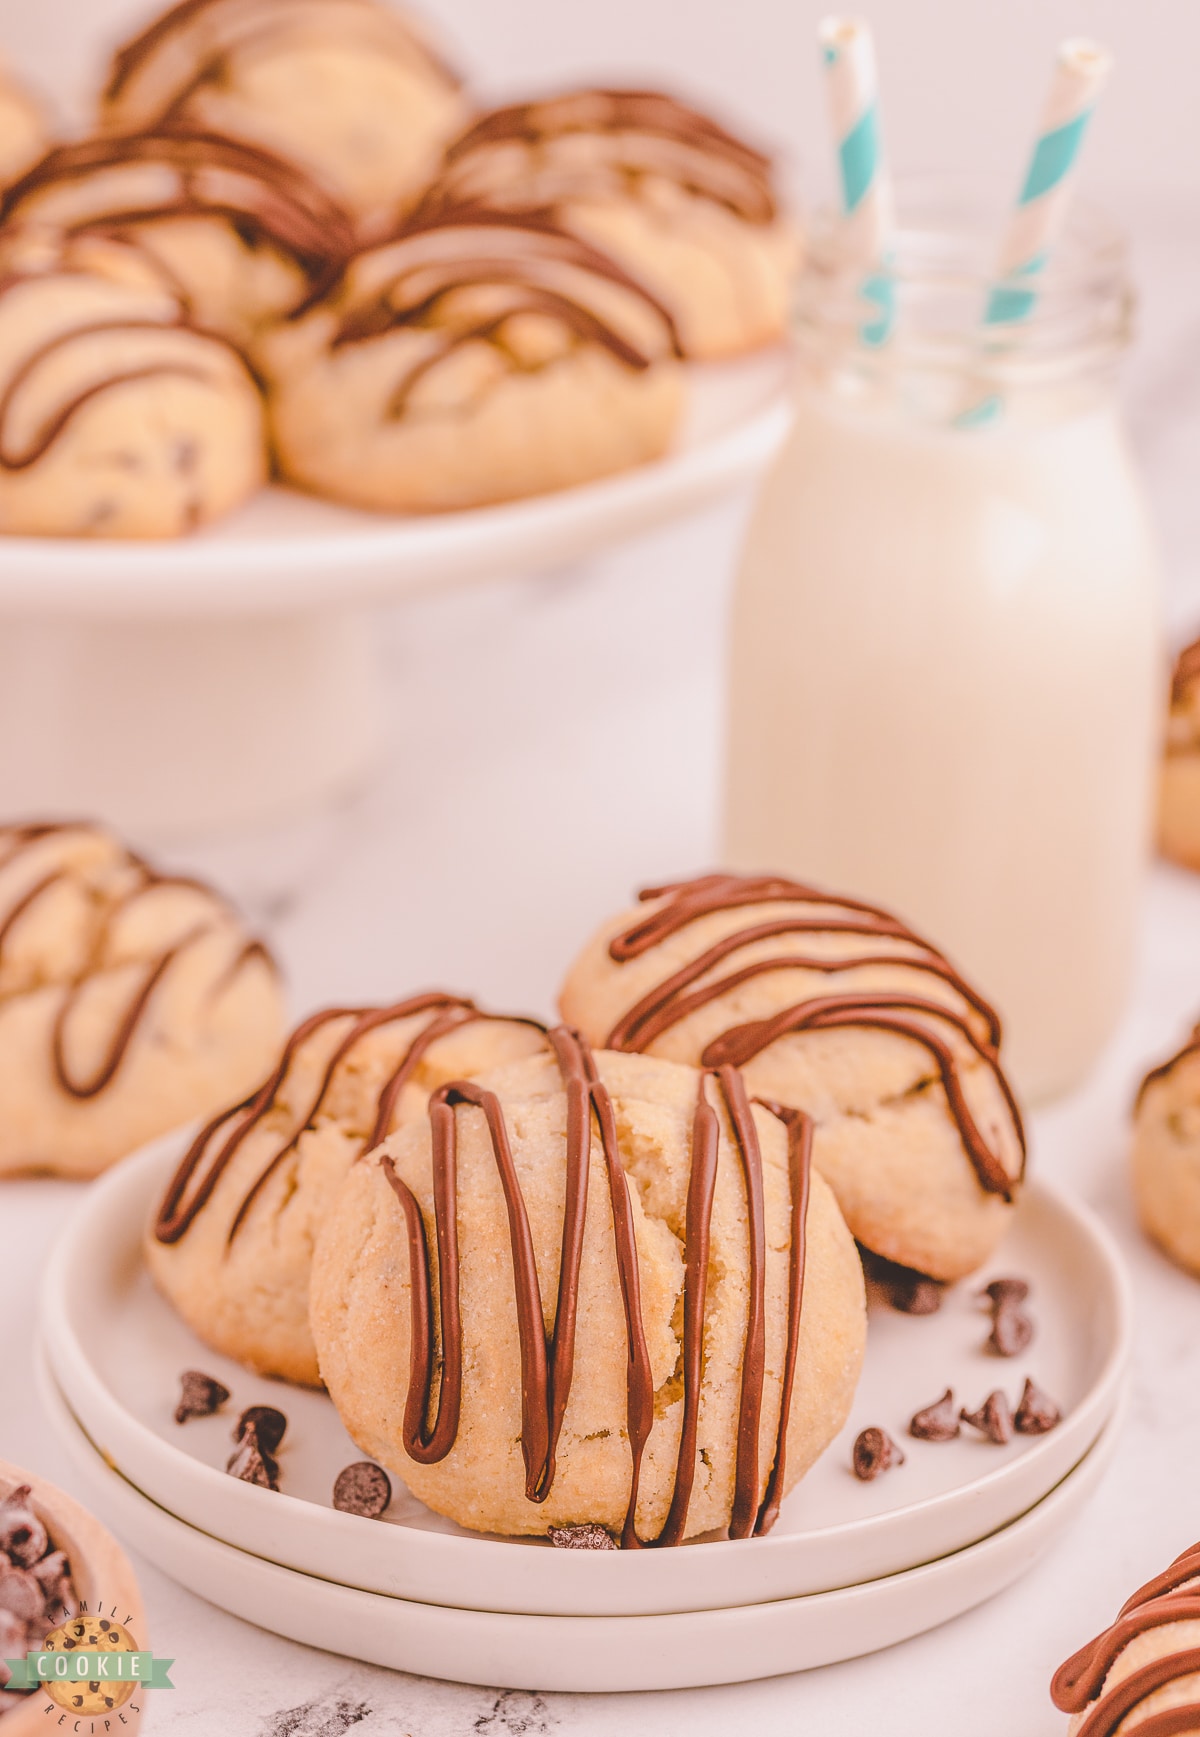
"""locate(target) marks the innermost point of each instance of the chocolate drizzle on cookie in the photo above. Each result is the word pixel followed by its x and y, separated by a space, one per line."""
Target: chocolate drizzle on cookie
pixel 911 1016
pixel 268 201
pixel 1078 1684
pixel 635 133
pixel 214 1147
pixel 530 263
pixel 15 842
pixel 192 45
pixel 547 1363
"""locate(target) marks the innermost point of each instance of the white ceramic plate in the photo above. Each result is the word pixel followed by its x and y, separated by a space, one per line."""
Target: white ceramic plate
pixel 117 1350
pixel 288 551
pixel 580 1653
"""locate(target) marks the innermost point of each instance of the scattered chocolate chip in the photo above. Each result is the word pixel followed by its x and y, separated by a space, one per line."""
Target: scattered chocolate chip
pixel 270 1424
pixel 937 1422
pixel 251 1464
pixel 199 1396
pixel 53 1567
pixel 994 1419
pixel 1005 1291
pixel 581 1538
pixel 363 1488
pixel 1037 1412
pixel 22 1536
pixel 1012 1331
pixel 875 1452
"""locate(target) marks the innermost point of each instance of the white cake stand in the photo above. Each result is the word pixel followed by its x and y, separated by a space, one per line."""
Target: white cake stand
pixel 229 677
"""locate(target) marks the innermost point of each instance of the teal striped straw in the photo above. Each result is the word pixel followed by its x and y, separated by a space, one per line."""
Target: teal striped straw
pixel 848 56
pixel 1080 72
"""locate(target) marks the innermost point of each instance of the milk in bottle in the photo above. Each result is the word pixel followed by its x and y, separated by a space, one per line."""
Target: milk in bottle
pixel 946 680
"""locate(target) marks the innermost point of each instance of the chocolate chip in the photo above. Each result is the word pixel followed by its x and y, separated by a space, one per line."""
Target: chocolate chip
pixel 994 1419
pixel 1005 1291
pixel 581 1538
pixel 270 1424
pixel 251 1464
pixel 51 1568
pixel 22 1536
pixel 1012 1331
pixel 875 1452
pixel 1037 1412
pixel 937 1422
pixel 199 1396
pixel 362 1488
pixel 21 1595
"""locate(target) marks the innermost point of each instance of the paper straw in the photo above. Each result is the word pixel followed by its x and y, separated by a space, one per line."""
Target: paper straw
pixel 1080 72
pixel 848 53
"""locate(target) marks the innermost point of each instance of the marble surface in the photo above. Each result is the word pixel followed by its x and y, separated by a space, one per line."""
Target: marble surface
pixel 554 742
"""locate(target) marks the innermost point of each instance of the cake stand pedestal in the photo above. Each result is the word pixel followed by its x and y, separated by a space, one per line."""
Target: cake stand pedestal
pixel 229 678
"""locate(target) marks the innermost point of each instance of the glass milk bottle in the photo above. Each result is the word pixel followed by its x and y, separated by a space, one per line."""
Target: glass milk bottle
pixel 946 673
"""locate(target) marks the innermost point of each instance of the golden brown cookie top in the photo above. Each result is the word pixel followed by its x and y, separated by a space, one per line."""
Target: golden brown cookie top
pixel 91 922
pixel 113 187
pixel 197 43
pixel 595 143
pixel 602 1093
pixel 350 1065
pixel 697 944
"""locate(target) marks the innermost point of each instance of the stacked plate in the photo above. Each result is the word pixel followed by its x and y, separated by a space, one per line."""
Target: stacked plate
pixel 849 1567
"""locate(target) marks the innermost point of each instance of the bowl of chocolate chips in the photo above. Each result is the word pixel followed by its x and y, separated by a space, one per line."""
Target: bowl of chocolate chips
pixel 56 1561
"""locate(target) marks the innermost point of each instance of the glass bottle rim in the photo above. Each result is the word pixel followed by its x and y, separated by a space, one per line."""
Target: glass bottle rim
pixel 939 274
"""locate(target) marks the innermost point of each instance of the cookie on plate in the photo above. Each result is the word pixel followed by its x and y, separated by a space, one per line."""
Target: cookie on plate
pixel 1179 783
pixel 476 358
pixel 130 1001
pixel 1166 1154
pixel 117 418
pixel 240 235
pixel 592 1290
pixel 688 209
pixel 1141 1677
pixel 23 131
pixel 837 1009
pixel 231 1243
pixel 350 90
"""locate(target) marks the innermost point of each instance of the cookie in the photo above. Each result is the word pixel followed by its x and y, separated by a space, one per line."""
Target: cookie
pixel 117 419
pixel 1179 780
pixel 592 1290
pixel 351 91
pixel 474 359
pixel 130 1000
pixel 1142 1675
pixel 1166 1154
pixel 23 130
pixel 838 1009
pixel 688 209
pixel 231 1245
pixel 241 236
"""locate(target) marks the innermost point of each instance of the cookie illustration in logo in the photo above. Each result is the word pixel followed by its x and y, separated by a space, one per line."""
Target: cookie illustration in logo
pixel 90 1634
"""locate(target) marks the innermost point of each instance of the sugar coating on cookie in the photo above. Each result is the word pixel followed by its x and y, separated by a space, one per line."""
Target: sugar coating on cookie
pixel 130 1000
pixel 231 1244
pixel 1179 779
pixel 836 1008
pixel 592 1289
pixel 241 236
pixel 23 129
pixel 475 358
pixel 1142 1674
pixel 686 207
pixel 351 90
pixel 1166 1154
pixel 117 418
